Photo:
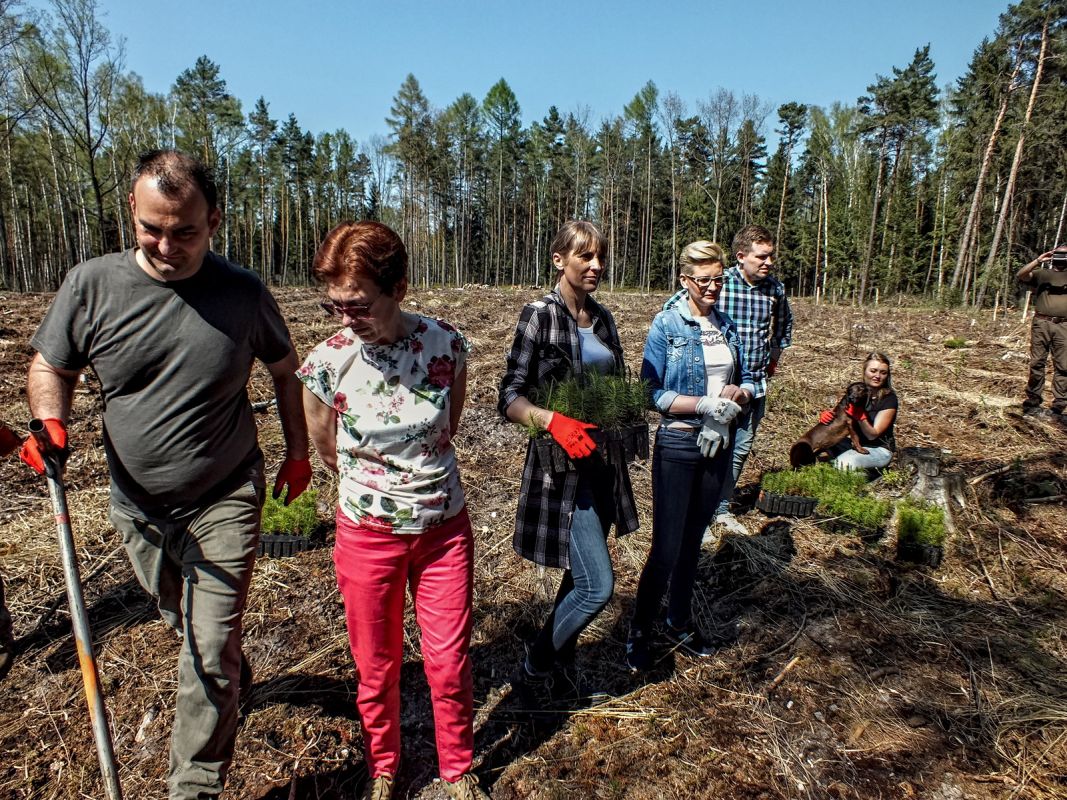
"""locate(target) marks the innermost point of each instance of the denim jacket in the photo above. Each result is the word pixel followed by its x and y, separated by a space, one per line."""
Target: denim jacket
pixel 673 362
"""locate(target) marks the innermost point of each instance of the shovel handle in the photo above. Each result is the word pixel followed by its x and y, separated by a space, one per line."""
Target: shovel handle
pixel 79 618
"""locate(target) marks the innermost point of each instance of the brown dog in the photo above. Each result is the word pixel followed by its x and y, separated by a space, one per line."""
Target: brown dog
pixel 822 437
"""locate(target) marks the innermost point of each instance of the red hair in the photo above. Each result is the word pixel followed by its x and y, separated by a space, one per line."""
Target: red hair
pixel 365 249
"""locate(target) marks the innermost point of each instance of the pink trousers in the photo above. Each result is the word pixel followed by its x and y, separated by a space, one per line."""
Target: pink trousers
pixel 373 571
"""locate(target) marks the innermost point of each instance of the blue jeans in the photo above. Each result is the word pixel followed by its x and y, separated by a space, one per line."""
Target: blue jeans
pixel 744 433
pixel 685 491
pixel 876 457
pixel 584 591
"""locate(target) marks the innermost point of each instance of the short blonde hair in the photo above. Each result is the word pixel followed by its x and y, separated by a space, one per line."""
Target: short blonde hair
pixel 700 252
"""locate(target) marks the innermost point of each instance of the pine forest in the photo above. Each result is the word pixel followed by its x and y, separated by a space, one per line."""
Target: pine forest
pixel 910 189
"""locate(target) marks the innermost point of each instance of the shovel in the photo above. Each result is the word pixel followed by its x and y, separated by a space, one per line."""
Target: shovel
pixel 79 619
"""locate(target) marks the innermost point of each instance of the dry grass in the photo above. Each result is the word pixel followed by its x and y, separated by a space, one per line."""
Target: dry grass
pixel 844 673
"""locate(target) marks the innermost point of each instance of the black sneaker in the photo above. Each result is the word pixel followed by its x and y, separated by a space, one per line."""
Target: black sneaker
pixel 530 686
pixel 689 639
pixel 1038 411
pixel 638 651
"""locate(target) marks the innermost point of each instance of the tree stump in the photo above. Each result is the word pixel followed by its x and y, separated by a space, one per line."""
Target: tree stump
pixel 932 485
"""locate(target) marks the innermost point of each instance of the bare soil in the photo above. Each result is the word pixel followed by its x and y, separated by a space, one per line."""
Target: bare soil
pixel 845 674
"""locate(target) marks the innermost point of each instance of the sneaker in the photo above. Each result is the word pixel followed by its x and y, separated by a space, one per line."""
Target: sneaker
pixel 466 788
pixel 533 687
pixel 380 788
pixel 690 639
pixel 638 652
pixel 731 523
pixel 1037 411
pixel 567 683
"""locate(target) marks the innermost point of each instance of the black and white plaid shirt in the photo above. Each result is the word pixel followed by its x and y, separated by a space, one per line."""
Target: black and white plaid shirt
pixel 547 347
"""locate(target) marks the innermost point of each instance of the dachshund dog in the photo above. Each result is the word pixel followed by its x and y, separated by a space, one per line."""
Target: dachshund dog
pixel 822 437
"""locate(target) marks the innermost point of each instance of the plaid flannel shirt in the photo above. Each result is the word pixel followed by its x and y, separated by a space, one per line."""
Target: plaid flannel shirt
pixel 764 320
pixel 547 347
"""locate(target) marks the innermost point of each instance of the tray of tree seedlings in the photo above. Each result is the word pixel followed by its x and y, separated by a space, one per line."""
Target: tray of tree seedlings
pixel 616 404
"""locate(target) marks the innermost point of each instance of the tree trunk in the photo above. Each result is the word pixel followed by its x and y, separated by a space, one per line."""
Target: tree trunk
pixel 1016 161
pixel 874 220
pixel 967 241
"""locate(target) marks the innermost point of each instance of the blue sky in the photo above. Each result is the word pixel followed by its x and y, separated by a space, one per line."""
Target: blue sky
pixel 338 64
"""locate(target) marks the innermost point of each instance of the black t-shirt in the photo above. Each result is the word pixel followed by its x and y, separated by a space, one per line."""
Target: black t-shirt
pixel 888 438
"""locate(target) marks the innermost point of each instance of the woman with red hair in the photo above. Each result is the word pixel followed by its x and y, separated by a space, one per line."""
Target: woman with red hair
pixel 383 397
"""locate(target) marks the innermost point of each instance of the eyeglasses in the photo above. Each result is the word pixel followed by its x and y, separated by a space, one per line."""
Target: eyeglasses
pixel 704 281
pixel 351 310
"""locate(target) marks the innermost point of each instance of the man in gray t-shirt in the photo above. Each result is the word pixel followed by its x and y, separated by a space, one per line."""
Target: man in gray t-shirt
pixel 171 330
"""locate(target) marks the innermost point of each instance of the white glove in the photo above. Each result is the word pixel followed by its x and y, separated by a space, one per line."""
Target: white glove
pixel 713 436
pixel 718 408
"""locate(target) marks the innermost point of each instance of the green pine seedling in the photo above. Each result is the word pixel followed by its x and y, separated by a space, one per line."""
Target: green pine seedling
pixel 299 518
pixel 610 402
pixel 920 523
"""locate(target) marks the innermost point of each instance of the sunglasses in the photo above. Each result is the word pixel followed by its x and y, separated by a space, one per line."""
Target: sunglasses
pixel 704 281
pixel 351 310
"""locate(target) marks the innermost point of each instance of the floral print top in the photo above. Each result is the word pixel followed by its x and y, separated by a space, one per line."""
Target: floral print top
pixel 395 457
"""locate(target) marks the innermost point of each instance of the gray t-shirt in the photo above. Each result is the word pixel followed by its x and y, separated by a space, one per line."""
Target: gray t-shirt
pixel 1050 291
pixel 173 359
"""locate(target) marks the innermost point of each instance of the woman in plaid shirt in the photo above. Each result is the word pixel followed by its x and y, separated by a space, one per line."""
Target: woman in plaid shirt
pixel 563 518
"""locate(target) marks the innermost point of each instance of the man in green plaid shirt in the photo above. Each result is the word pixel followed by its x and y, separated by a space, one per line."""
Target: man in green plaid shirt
pixel 756 302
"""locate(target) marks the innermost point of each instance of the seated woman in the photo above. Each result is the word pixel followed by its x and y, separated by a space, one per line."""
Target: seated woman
pixel 875 425
pixel 383 397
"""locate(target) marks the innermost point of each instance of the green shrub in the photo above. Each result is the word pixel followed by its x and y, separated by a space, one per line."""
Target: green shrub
pixel 608 401
pixel 920 523
pixel 299 518
pixel 955 343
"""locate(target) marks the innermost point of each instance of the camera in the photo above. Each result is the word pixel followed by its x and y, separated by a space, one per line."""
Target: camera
pixel 1059 259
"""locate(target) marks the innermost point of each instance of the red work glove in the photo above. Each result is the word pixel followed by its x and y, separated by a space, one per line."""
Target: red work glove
pixel 826 417
pixel 856 413
pixel 9 441
pixel 31 453
pixel 294 473
pixel 571 435
pixel 772 367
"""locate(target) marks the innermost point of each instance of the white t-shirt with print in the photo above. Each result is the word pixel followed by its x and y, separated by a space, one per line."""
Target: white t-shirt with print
pixel 397 466
pixel 718 360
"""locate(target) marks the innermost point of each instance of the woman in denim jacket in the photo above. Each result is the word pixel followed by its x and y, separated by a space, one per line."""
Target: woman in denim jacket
pixel 694 365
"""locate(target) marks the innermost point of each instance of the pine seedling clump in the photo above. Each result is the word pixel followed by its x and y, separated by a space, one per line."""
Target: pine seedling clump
pixel 299 518
pixel 814 480
pixel 920 523
pixel 841 493
pixel 610 402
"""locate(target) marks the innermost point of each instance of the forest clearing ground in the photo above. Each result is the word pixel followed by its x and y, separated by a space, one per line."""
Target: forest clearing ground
pixel 845 674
